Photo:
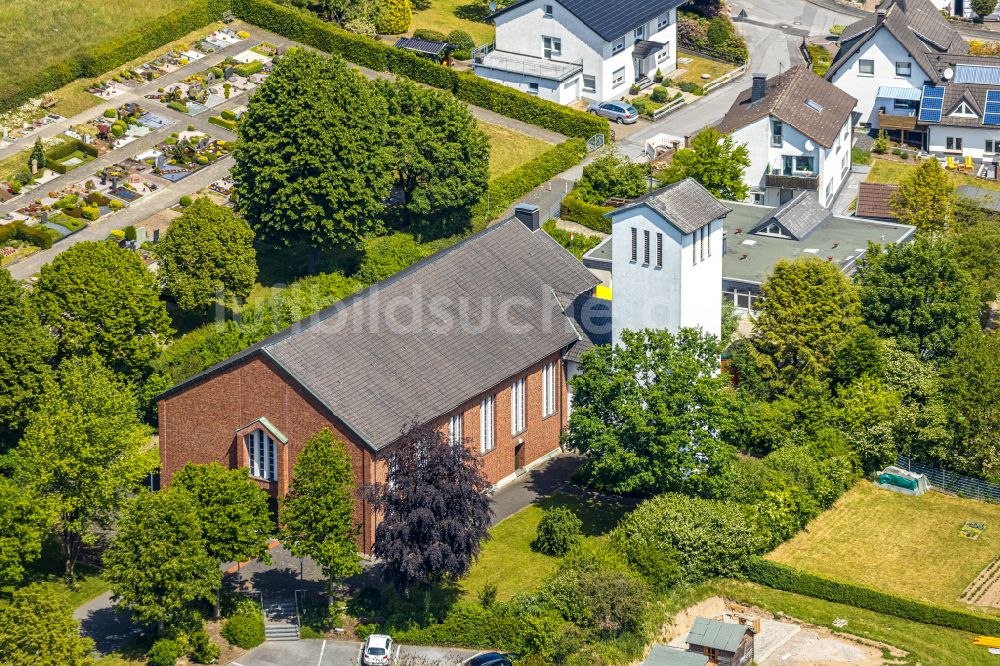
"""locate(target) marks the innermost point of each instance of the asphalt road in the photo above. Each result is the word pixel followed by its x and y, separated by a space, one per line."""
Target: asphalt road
pixel 341 653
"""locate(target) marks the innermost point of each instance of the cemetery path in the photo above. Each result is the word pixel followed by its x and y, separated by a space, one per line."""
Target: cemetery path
pixel 148 205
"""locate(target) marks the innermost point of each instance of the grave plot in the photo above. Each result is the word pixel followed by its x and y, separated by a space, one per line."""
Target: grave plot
pixel 183 154
pixel 127 181
pixel 213 86
pixel 119 127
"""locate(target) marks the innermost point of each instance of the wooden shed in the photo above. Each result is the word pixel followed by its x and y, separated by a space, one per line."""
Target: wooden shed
pixel 723 643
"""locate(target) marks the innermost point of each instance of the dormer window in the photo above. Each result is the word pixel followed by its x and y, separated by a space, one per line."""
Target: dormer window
pixel 547 11
pixel 963 110
pixel 773 229
pixel 262 455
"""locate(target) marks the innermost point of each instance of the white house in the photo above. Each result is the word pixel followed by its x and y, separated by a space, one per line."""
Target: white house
pixel 797 129
pixel 885 60
pixel 564 50
pixel 667 252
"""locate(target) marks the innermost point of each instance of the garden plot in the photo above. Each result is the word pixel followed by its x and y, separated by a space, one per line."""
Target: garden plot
pixel 985 589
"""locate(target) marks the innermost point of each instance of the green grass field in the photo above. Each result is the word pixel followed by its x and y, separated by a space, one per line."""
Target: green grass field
pixel 509 562
pixel 892 171
pixel 925 644
pixel 38 33
pixel 896 543
pixel 510 149
pixel 698 66
pixel 447 15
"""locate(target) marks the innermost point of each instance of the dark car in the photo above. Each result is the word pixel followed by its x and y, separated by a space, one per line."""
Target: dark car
pixel 490 659
pixel 620 112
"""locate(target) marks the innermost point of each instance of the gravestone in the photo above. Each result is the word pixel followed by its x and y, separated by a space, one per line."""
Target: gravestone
pixel 228 72
pixel 34 166
pixel 44 217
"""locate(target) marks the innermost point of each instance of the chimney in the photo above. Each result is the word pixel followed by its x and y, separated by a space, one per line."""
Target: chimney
pixel 759 89
pixel 879 17
pixel 529 214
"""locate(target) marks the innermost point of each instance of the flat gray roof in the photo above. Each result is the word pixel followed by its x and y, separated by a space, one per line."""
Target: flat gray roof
pixel 842 240
pixel 664 655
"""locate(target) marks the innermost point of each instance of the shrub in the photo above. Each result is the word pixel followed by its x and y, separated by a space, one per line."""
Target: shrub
pixel 228 114
pixel 488 595
pixel 114 204
pixel 191 128
pixel 461 40
pixel 203 650
pixel 430 35
pixel 217 72
pixel 201 159
pixel 837 30
pixel 659 567
pixel 395 17
pixel 246 70
pixel 660 95
pixel 110 113
pixel 130 233
pixel 180 107
pixel 558 532
pixel 90 213
pixel 575 209
pixel 243 34
pixel 859 156
pixel 244 629
pixel 223 122
pixel 386 255
pixel 363 631
pixel 782 577
pixel 577 244
pixel 462 55
pixel 185 201
pixel 881 143
pixel 165 652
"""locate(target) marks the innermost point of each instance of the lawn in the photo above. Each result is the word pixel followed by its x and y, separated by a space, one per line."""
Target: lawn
pixel 900 544
pixel 510 149
pixel 60 28
pixel 49 570
pixel 698 66
pixel 927 645
pixel 447 15
pixel 509 562
pixel 893 171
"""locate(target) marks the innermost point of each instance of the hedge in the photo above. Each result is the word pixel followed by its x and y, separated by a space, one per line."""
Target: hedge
pixel 98 60
pixel 222 122
pixel 301 26
pixel 575 209
pixel 782 577
pixel 179 107
pixel 511 186
pixel 21 231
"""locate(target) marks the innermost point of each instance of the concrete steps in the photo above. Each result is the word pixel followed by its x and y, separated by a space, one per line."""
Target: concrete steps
pixel 281 632
pixel 281 623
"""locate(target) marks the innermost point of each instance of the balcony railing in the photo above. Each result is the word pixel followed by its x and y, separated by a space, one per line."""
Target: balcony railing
pixel 892 121
pixel 792 182
pixel 514 63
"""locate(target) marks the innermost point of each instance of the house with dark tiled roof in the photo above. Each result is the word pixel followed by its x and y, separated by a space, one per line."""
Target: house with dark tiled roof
pixel 873 201
pixel 474 340
pixel 797 129
pixel 886 58
pixel 565 50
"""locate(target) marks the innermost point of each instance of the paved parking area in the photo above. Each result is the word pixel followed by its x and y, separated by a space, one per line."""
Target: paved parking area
pixel 339 653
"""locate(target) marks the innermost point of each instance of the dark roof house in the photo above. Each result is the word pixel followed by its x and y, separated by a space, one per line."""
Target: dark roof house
pixel 873 201
pixel 609 19
pixel 797 97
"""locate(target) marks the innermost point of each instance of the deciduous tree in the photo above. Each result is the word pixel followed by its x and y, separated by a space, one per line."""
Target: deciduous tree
pixel 233 511
pixel 716 161
pixel 98 298
pixel 26 348
pixel 207 256
pixel 311 165
pixel 807 310
pixel 612 175
pixel 440 158
pixel 158 564
pixel 977 246
pixel 984 8
pixel 84 451
pixel 917 294
pixel 317 514
pixel 37 629
pixel 646 413
pixel 24 525
pixel 926 198
pixel 394 18
pixel 972 388
pixel 435 514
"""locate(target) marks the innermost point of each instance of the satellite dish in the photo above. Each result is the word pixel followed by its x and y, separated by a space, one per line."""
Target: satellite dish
pixel 493 6
pixel 947 73
pixel 809 145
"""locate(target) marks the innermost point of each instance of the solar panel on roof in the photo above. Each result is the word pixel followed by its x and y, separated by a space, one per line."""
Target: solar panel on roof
pixel 931 104
pixel 992 111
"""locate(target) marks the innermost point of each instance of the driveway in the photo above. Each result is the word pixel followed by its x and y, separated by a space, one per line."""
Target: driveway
pixel 341 653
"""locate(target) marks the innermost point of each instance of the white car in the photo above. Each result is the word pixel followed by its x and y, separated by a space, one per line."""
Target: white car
pixel 377 651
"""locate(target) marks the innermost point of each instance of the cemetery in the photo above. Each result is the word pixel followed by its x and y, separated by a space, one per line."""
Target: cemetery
pixel 184 153
pixel 213 86
pixel 119 127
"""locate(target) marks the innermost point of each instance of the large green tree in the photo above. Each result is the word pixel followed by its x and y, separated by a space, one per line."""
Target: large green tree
pixel 24 525
pixel 983 8
pixel 977 246
pixel 716 161
pixel 158 564
pixel 312 164
pixel 317 514
pixel 972 389
pixel 233 511
pixel 807 310
pixel 917 294
pixel 98 298
pixel 612 175
pixel 85 450
pixel 926 198
pixel 646 413
pixel 440 158
pixel 37 629
pixel 207 256
pixel 26 348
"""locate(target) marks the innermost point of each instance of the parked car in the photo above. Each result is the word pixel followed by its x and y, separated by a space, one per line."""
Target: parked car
pixel 490 659
pixel 377 651
pixel 620 112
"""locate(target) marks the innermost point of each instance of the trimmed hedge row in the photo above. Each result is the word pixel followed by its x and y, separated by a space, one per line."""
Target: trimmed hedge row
pixel 21 231
pixel 511 186
pixel 575 209
pixel 98 60
pixel 223 122
pixel 782 577
pixel 300 26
